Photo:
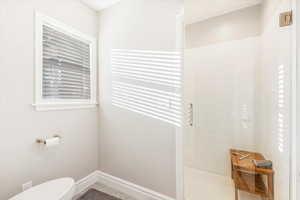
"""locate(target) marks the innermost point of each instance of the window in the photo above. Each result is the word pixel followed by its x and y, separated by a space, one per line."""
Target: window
pixel 65 66
pixel 148 83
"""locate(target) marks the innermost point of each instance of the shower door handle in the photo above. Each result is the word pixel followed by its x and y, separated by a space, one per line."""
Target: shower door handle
pixel 191 114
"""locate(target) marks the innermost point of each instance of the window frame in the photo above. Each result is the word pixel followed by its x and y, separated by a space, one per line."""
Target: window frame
pixel 42 104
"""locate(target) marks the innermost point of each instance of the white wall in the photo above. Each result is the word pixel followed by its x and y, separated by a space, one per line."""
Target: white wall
pixel 232 26
pixel 20 158
pixel 276 51
pixel 134 147
pixel 196 10
pixel 223 77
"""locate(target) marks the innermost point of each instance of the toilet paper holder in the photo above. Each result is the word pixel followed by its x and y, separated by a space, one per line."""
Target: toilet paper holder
pixel 43 141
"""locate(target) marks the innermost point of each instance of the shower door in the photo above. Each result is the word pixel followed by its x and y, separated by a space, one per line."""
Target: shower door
pixel 237 96
pixel 220 97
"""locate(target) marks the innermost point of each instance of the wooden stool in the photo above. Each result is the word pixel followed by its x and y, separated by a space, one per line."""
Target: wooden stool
pixel 249 178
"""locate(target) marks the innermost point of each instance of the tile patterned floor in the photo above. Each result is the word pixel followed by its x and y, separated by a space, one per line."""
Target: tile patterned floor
pixel 93 194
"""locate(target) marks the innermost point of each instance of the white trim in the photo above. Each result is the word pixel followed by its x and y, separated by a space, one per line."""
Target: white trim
pixel 63 27
pixel 129 188
pixel 42 104
pixel 63 106
pixel 225 11
pixel 180 131
pixel 294 104
pixel 120 185
pixel 84 184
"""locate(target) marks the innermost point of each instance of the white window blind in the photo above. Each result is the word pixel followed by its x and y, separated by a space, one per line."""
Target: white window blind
pixel 148 82
pixel 65 65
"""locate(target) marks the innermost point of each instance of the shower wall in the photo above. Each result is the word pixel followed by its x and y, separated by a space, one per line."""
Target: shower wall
pixel 235 25
pixel 220 79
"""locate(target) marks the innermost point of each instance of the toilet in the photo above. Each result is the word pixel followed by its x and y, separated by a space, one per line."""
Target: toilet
pixel 59 189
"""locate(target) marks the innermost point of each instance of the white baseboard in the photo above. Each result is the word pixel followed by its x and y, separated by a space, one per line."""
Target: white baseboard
pixel 85 183
pixel 120 185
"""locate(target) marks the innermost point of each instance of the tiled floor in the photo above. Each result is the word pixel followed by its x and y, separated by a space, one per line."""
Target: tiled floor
pixel 112 192
pixel 204 185
pixel 198 185
pixel 93 194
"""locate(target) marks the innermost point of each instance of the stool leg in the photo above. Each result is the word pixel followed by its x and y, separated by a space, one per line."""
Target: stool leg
pixel 236 194
pixel 271 186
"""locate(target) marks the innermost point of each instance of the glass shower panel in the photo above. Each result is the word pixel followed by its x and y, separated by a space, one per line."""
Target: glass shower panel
pixel 237 101
pixel 221 90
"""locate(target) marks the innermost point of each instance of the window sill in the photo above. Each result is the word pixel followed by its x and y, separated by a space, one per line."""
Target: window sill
pixel 68 106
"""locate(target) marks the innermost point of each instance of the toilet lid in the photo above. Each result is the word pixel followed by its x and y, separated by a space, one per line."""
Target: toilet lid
pixel 52 190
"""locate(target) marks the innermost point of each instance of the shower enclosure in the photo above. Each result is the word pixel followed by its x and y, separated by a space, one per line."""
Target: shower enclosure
pixel 237 64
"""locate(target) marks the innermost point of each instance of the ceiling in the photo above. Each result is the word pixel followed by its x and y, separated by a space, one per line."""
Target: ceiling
pixel 194 10
pixel 197 10
pixel 99 4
